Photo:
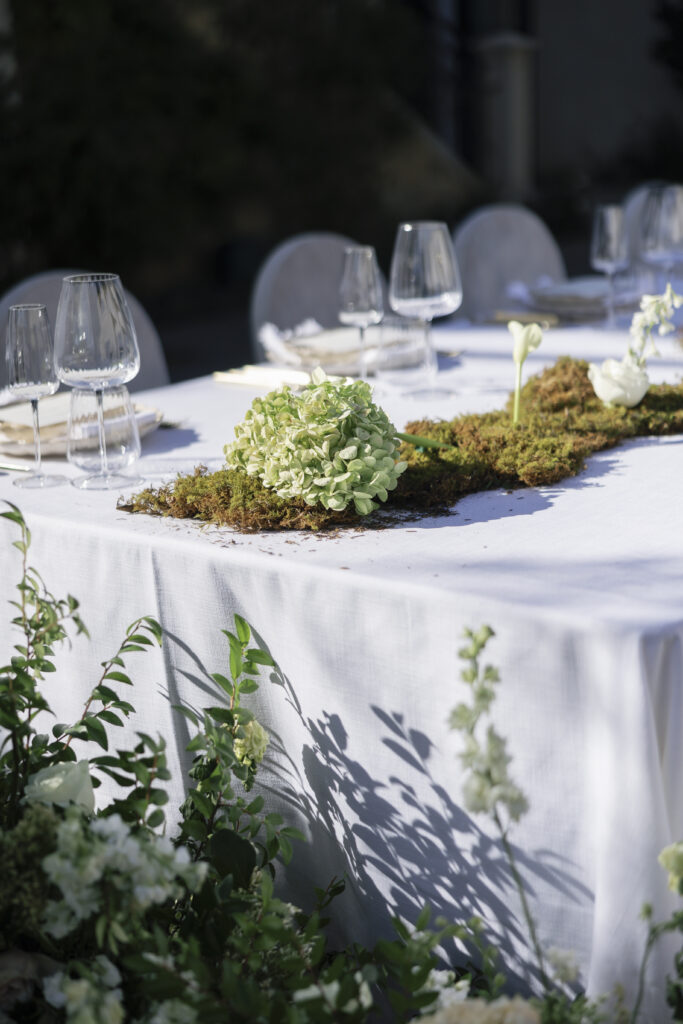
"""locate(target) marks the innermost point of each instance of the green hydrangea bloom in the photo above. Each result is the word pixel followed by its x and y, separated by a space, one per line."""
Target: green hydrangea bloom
pixel 328 443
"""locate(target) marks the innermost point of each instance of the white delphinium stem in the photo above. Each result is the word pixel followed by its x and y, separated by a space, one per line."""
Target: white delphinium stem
pixel 488 787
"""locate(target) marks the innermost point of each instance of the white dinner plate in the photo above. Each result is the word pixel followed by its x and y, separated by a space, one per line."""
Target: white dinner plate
pixel 579 297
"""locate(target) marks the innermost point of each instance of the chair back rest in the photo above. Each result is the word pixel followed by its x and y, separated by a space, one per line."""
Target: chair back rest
pixel 497 246
pixel 299 280
pixel 46 287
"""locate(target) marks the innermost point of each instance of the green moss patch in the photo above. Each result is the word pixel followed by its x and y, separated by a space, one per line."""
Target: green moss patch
pixel 561 424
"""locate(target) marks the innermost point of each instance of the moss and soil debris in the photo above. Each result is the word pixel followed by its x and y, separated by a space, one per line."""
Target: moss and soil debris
pixel 561 424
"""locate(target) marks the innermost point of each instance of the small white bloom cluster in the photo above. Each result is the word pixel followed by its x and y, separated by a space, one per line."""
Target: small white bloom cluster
pixel 449 991
pixel 477 1011
pixel 94 998
pixel 330 993
pixel 625 381
pixel 656 311
pixel 488 783
pixel 142 869
pixel 564 965
pixel 252 745
pixel 671 859
pixel 329 444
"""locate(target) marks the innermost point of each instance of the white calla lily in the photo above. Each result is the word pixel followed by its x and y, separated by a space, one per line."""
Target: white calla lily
pixel 526 337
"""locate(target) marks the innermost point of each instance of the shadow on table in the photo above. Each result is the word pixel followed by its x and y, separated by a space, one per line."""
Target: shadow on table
pixel 399 851
pixel 488 506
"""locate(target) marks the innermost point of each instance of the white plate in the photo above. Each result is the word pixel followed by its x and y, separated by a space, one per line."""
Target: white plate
pixel 16 434
pixel 337 350
pixel 578 297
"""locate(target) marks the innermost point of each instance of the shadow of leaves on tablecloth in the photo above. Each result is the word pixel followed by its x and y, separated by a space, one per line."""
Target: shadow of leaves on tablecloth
pixel 397 849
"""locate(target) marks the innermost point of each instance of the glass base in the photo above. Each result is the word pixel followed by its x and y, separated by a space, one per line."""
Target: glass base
pixel 105 482
pixel 39 480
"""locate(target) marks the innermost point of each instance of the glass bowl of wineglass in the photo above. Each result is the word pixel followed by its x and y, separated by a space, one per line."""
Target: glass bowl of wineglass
pixel 361 301
pixel 31 375
pixel 609 249
pixel 425 283
pixel 661 238
pixel 96 348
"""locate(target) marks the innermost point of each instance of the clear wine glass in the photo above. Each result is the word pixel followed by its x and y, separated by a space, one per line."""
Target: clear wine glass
pixel 96 348
pixel 662 229
pixel 609 249
pixel 425 282
pixel 31 374
pixel 361 302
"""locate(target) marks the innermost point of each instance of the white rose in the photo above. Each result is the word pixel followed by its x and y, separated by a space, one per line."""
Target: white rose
pixel 619 382
pixel 61 784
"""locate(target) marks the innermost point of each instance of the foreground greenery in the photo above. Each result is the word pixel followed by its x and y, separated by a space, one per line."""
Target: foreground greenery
pixel 104 919
pixel 562 422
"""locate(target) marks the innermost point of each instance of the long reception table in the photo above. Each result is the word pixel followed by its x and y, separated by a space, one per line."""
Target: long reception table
pixel 582 583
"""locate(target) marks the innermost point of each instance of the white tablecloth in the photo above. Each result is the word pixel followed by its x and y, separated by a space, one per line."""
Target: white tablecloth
pixel 583 584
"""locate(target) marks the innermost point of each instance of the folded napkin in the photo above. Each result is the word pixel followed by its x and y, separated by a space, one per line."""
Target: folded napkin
pixel 263 376
pixel 16 424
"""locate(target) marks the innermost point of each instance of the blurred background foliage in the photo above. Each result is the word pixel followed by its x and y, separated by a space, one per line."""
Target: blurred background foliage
pixel 178 142
pixel 152 137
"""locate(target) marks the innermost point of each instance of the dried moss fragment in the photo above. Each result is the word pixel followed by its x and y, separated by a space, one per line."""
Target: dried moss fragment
pixel 562 423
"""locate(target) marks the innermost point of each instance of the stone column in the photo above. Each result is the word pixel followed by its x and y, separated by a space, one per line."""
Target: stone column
pixel 506 120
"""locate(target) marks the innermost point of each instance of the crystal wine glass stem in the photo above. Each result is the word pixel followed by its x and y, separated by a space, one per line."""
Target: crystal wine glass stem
pixel 100 432
pixel 362 355
pixel 36 437
pixel 610 299
pixel 431 363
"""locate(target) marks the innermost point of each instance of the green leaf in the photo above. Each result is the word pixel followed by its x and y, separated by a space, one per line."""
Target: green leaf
pixel 224 683
pixel 230 854
pixel 195 829
pixel 259 657
pixel 156 818
pixel 423 442
pixel 201 802
pixel 109 716
pixel 120 677
pixel 243 629
pixel 248 686
pixel 96 731
pixel 235 663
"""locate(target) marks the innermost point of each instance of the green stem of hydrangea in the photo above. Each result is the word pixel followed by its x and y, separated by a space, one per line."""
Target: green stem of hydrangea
pixel 518 388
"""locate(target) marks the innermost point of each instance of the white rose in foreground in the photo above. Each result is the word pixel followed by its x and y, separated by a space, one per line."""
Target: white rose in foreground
pixel 619 381
pixel 61 784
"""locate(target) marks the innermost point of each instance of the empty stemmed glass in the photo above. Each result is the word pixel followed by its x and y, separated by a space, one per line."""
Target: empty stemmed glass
pixel 609 249
pixel 95 348
pixel 661 240
pixel 361 302
pixel 425 282
pixel 31 374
